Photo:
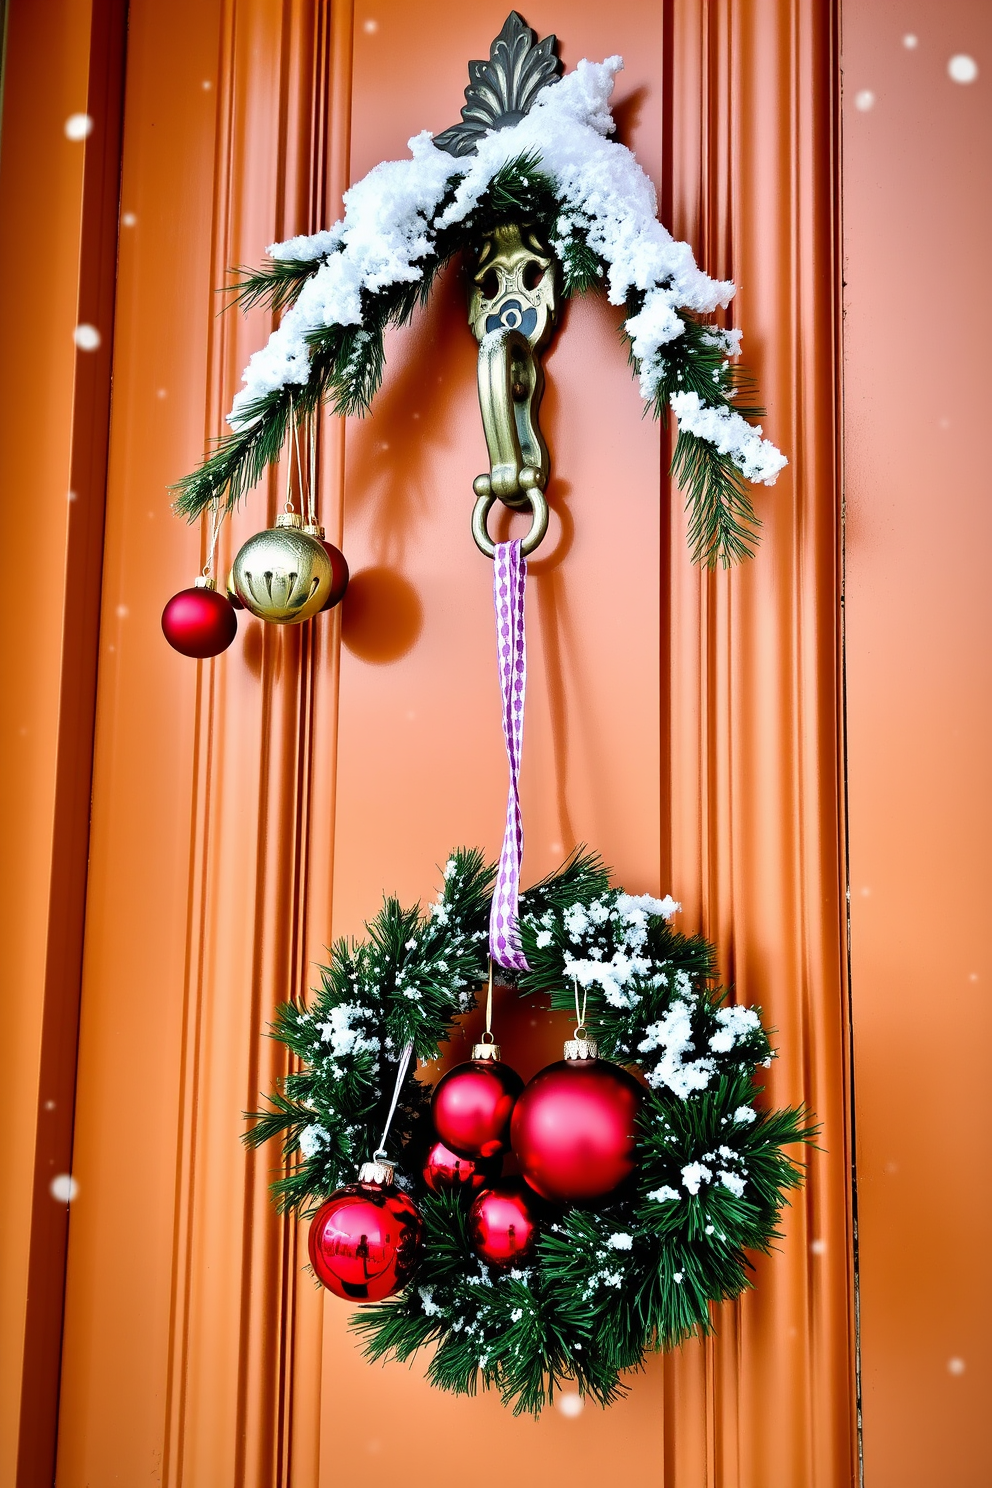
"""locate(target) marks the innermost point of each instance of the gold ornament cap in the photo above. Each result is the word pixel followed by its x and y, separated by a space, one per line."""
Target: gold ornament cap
pixel 314 529
pixel 485 1051
pixel 289 519
pixel 579 1049
pixel 203 582
pixel 377 1171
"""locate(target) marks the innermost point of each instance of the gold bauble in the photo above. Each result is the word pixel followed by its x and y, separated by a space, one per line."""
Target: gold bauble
pixel 283 575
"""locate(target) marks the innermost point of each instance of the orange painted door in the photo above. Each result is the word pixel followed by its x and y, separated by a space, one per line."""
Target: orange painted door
pixel 247 810
pixel 918 156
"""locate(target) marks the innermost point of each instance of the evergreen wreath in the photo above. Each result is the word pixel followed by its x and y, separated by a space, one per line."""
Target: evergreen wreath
pixel 586 198
pixel 637 1273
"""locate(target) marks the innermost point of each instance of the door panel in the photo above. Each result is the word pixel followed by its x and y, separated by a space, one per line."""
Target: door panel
pixel 686 725
pixel 919 663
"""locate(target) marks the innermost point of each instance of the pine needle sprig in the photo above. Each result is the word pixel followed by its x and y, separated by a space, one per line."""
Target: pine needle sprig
pixel 275 286
pixel 412 976
pixel 723 525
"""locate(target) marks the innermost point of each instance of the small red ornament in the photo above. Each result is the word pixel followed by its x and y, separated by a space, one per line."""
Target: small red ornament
pixel 445 1171
pixel 339 567
pixel 574 1127
pixel 366 1239
pixel 199 622
pixel 502 1223
pixel 473 1102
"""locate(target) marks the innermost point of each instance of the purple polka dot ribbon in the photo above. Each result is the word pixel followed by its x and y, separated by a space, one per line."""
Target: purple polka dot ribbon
pixel 509 579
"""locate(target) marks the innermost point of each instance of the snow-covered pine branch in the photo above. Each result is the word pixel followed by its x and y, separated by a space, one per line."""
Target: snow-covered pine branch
pixel 600 208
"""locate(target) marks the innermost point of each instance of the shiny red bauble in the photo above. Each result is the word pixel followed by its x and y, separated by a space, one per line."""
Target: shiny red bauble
pixel 574 1130
pixel 365 1241
pixel 472 1105
pixel 199 622
pixel 339 575
pixel 502 1223
pixel 446 1172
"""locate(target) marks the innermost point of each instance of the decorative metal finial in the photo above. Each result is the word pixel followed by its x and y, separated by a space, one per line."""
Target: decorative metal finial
pixel 501 91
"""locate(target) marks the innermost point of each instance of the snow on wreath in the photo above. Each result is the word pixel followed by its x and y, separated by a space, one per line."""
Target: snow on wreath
pixel 585 195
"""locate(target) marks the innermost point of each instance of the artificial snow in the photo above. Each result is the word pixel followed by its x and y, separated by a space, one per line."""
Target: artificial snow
pixel 312 1138
pixel 632 907
pixel 672 1034
pixel 733 1181
pixel 343 1036
pixel 756 458
pixel 735 1025
pixel 664 1194
pixel 611 976
pixel 391 217
pixel 694 1175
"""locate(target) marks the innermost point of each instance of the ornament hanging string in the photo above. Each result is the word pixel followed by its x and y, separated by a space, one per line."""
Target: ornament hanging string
pixel 289 458
pixel 305 498
pixel 487 1037
pixel 580 1017
pixel 380 1155
pixel 509 582
pixel 312 482
pixel 217 516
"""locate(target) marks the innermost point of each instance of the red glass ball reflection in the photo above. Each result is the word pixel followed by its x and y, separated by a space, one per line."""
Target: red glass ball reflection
pixel 365 1241
pixel 472 1105
pixel 502 1223
pixel 199 622
pixel 446 1172
pixel 573 1130
pixel 339 575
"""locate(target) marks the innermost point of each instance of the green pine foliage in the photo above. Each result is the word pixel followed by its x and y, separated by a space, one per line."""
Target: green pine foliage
pixel 723 524
pixel 274 287
pixel 347 363
pixel 639 1272
pixel 406 983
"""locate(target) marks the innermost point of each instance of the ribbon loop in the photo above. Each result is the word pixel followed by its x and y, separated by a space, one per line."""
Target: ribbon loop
pixel 509 581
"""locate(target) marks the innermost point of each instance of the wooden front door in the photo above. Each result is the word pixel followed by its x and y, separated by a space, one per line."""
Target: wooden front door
pixel 245 811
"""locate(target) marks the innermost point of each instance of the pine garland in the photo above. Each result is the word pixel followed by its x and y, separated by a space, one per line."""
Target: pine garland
pixel 641 1272
pixel 347 362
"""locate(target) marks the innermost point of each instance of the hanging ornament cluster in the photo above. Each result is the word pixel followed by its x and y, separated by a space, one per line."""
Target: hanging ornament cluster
pixel 516 1284
pixel 284 575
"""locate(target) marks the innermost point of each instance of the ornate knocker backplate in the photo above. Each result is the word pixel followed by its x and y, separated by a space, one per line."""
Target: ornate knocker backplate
pixel 512 313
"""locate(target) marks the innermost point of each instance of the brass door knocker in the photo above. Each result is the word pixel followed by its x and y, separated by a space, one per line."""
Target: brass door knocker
pixel 512 313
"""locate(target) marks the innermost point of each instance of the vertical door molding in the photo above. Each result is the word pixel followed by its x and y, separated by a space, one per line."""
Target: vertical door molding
pixel 755 723
pixel 264 799
pixel 195 1316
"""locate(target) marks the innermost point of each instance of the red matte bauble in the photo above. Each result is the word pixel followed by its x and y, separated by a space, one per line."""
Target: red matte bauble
pixel 339 575
pixel 446 1172
pixel 502 1223
pixel 472 1105
pixel 365 1241
pixel 573 1130
pixel 199 622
